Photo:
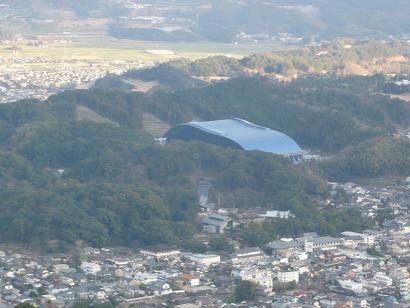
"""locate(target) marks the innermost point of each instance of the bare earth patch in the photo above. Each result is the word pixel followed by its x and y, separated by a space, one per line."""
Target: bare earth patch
pixel 142 86
pixel 404 97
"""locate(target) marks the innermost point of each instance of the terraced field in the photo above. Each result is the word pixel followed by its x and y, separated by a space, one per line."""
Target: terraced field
pixel 154 126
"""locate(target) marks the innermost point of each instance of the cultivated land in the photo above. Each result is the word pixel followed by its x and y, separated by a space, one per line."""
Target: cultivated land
pixel 55 62
pixel 154 126
pixel 131 50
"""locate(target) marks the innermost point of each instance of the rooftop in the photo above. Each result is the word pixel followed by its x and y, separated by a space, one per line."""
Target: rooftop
pixel 244 134
pixel 159 248
pixel 246 251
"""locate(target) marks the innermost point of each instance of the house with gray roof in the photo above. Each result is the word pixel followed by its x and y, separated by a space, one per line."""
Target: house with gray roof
pixel 217 223
pixel 305 243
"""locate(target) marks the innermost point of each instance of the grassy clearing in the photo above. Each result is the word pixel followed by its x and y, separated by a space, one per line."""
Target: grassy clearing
pixel 74 53
pixel 154 126
pixel 142 86
pixel 86 114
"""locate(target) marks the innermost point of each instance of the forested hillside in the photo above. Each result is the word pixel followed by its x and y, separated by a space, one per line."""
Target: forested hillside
pixel 64 179
pixel 327 19
pixel 340 58
pixel 325 114
pixel 227 21
pixel 374 158
pixel 71 8
pixel 326 108
pixel 317 115
pixel 82 165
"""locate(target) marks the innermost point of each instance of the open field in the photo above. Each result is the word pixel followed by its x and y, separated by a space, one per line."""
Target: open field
pixel 109 49
pixel 86 114
pixel 37 68
pixel 109 53
pixel 142 86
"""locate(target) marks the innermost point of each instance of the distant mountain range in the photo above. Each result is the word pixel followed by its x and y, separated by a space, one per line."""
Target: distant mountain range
pixel 228 21
pixel 325 18
pixel 73 8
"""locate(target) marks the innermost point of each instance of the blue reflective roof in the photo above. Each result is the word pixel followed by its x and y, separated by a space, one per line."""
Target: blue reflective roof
pixel 250 136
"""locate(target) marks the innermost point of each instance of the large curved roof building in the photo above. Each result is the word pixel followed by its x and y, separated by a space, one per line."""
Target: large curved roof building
pixel 239 134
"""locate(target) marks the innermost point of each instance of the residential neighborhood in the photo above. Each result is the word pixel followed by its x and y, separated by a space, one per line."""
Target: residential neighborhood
pixel 204 154
pixel 40 77
pixel 350 269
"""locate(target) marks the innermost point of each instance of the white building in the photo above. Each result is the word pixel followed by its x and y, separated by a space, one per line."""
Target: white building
pixel 190 280
pixel 204 259
pixel 401 279
pixel 307 243
pixel 159 288
pixel 303 269
pixel 288 275
pixel 62 268
pixel 302 256
pixel 160 251
pixel 260 277
pixel 160 52
pixel 383 279
pixel 277 214
pixel 90 267
pixel 352 286
pixel 398 273
pixel 364 238
pixel 405 288
pixel 247 254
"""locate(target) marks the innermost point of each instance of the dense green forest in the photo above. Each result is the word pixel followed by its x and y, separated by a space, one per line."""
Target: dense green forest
pixel 316 114
pixel 340 58
pixel 320 113
pixel 170 75
pixel 374 158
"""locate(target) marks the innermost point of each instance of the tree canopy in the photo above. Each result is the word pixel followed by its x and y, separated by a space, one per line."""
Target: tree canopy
pixel 244 291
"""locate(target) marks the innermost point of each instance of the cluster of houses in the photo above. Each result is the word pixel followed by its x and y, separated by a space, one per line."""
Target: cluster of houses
pixel 39 77
pixel 312 271
pixel 405 133
pixel 352 269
